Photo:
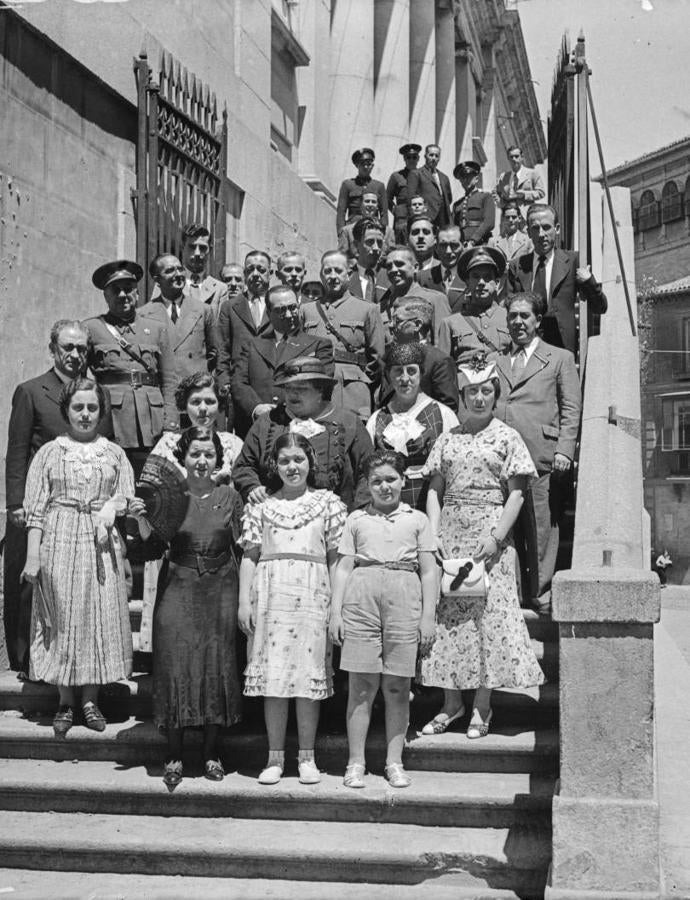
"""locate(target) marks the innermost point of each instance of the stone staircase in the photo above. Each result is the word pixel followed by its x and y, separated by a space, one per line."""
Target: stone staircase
pixel 475 823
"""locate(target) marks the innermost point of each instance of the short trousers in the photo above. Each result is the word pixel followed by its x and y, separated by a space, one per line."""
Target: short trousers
pixel 381 614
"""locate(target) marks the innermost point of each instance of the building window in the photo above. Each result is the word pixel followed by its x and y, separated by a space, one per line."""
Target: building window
pixel 286 55
pixel 686 197
pixel 671 206
pixel 675 433
pixel 647 212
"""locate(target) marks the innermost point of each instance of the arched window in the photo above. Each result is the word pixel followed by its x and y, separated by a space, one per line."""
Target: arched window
pixel 671 207
pixel 647 212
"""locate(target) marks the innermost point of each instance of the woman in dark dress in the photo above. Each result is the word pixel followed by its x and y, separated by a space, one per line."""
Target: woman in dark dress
pixel 195 681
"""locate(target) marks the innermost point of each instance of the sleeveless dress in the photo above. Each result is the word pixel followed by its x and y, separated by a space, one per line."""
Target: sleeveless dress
pixel 195 680
pixel 289 652
pixel 480 643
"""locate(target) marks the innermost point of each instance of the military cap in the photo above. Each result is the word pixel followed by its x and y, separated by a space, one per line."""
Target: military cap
pixel 301 368
pixel 407 149
pixel 118 270
pixel 481 256
pixel 358 154
pixel 470 167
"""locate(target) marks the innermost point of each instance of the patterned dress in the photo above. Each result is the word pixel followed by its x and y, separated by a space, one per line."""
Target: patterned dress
pixel 289 653
pixel 480 643
pixel 413 434
pixel 90 641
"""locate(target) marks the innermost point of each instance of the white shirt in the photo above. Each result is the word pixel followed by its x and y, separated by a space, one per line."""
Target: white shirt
pixel 169 306
pixel 528 350
pixel 548 268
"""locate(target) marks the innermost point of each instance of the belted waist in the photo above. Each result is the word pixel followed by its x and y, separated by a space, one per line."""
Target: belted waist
pixel 133 378
pixel 474 498
pixel 306 557
pixel 344 356
pixel 201 563
pixel 400 564
pixel 82 506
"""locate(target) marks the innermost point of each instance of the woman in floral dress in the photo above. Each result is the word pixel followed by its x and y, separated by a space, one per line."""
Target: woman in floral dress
pixel 479 473
pixel 290 543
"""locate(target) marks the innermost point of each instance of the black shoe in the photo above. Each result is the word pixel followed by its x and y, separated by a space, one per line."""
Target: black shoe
pixel 93 717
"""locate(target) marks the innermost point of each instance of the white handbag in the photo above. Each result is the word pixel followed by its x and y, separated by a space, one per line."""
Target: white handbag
pixel 464 578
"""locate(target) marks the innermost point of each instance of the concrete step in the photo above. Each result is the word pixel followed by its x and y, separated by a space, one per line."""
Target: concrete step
pixel 29 884
pixel 506 858
pixel 435 798
pixel 507 747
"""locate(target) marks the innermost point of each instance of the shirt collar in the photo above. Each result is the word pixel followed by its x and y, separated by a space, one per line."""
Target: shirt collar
pixel 65 379
pixel 400 509
pixel 528 348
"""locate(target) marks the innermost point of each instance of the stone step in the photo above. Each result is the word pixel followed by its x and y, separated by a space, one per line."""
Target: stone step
pixel 29 884
pixel 457 800
pixel 132 696
pixel 507 747
pixel 506 858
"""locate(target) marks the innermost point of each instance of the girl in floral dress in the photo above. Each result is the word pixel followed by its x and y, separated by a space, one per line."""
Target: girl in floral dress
pixel 290 545
pixel 478 475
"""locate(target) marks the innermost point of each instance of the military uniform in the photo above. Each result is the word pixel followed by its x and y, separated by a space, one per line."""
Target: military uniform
pixel 350 199
pixel 356 331
pixel 463 334
pixel 142 391
pixel 475 216
pixel 398 197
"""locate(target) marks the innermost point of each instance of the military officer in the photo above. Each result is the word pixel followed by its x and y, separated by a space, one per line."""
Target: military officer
pixel 482 325
pixel 355 328
pixel 351 190
pixel 133 358
pixel 475 212
pixel 397 193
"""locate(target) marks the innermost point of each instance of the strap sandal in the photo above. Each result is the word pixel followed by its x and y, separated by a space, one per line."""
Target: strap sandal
pixel 479 729
pixel 213 770
pixel 172 773
pixel 440 723
pixel 308 771
pixel 93 717
pixel 63 720
pixel 354 775
pixel 396 775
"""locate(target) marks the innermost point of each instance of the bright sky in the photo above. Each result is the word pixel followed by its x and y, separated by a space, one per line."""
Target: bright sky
pixel 639 63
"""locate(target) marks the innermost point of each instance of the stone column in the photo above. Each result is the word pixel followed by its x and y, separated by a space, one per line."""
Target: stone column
pixel 351 102
pixel 465 103
pixel 391 82
pixel 422 72
pixel 445 83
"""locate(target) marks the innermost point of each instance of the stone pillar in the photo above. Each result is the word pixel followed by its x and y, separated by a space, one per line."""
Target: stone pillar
pixel 422 101
pixel 351 102
pixel 465 104
pixel 445 83
pixel 391 81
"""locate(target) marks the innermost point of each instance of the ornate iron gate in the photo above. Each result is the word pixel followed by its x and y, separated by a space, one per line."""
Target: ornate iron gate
pixel 181 162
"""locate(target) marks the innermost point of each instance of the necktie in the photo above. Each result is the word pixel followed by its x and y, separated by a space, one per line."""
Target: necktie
pixel 519 361
pixel 514 183
pixel 448 276
pixel 174 315
pixel 539 286
pixel 371 281
pixel 256 312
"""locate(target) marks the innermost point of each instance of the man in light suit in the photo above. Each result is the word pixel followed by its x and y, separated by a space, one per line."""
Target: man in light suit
pixel 557 277
pixel 541 399
pixel 512 242
pixel 520 184
pixel 253 386
pixel 368 280
pixel 443 274
pixel 433 185
pixel 35 419
pixel 190 323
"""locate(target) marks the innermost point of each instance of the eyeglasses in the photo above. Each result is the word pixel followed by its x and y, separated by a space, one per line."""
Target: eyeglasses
pixel 81 349
pixel 286 310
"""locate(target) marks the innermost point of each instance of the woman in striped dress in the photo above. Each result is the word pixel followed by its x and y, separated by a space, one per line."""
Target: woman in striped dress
pixel 76 486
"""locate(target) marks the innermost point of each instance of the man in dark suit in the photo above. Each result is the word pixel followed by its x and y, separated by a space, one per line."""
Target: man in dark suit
pixel 433 185
pixel 35 419
pixel 253 383
pixel 443 275
pixel 541 399
pixel 557 277
pixel 368 281
pixel 190 323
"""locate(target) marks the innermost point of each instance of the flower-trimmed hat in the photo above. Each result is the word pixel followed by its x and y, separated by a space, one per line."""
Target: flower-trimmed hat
pixel 477 371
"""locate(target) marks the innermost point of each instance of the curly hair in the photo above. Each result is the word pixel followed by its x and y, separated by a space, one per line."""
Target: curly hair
pixel 197 433
pixel 410 354
pixel 197 381
pixel 81 384
pixel 384 458
pixel 285 440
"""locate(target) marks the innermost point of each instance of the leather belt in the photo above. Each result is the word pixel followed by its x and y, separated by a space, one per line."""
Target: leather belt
pixel 343 356
pixel 201 563
pixel 401 564
pixel 134 378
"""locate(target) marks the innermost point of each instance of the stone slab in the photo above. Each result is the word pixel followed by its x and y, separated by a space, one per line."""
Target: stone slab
pixel 606 595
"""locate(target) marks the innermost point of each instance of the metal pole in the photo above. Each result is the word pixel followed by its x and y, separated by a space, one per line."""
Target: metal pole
pixel 581 190
pixel 609 202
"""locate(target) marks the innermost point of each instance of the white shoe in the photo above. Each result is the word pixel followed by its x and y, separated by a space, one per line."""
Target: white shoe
pixel 308 772
pixel 271 774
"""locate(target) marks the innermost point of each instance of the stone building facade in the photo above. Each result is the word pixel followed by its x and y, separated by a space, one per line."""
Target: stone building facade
pixel 304 82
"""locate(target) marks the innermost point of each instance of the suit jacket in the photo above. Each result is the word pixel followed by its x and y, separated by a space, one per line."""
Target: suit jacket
pixel 209 291
pixel 543 403
pixel 346 238
pixel 236 328
pixel 439 379
pixel 252 380
pixel 354 285
pixel 558 325
pixel 513 246
pixel 193 338
pixel 529 182
pixel 433 279
pixel 422 184
pixel 35 419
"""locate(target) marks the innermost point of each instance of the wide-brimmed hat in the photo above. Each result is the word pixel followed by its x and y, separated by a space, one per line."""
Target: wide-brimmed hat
pixel 118 270
pixel 481 256
pixel 301 368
